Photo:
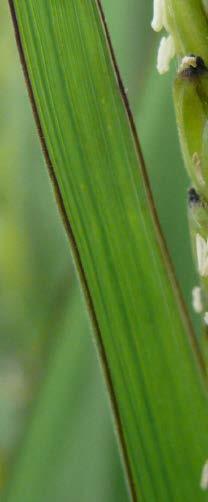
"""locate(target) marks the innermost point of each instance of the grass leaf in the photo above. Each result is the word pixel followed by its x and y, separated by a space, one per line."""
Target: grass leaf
pixel 155 383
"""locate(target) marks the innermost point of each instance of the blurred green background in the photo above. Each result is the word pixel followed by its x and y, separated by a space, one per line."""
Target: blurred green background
pixel 43 316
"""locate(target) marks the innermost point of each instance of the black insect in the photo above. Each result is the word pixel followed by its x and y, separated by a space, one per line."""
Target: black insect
pixel 193 197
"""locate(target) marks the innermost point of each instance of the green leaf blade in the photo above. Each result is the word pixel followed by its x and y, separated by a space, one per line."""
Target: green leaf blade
pixel 160 404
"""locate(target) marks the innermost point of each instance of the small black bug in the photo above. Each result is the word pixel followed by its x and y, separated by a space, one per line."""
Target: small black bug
pixel 193 197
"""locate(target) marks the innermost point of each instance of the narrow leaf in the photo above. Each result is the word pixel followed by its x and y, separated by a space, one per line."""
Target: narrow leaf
pixel 91 148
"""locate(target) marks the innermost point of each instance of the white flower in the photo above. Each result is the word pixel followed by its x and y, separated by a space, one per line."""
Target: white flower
pixel 166 52
pixel 196 300
pixel 202 255
pixel 206 318
pixel 204 477
pixel 159 16
pixel 166 49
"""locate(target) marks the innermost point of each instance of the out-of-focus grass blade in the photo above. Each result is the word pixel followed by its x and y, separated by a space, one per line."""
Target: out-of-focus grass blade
pixel 133 41
pixel 64 432
pixel 157 394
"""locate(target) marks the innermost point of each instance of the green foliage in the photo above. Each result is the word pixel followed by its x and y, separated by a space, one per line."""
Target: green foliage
pixel 162 404
pixel 190 98
pixel 39 302
pixel 188 24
